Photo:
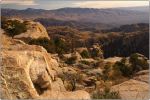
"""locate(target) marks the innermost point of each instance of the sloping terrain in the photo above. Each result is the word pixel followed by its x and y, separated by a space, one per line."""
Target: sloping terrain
pixel 29 72
pixel 74 71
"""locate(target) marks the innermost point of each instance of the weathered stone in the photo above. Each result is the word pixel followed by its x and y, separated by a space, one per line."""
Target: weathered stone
pixel 132 89
pixel 29 73
pixel 113 59
pixel 18 45
pixel 77 95
pixel 58 85
pixel 25 70
pixel 142 76
pixel 34 31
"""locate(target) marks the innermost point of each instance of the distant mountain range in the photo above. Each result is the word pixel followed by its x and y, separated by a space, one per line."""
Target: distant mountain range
pixel 141 8
pixel 113 16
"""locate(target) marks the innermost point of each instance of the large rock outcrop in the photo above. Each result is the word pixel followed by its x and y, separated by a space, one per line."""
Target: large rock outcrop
pixel 136 88
pixel 29 72
pixel 35 30
pixel 7 43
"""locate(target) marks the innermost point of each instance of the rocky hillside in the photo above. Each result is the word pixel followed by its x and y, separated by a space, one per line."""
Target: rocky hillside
pixel 121 41
pixel 43 68
pixel 29 72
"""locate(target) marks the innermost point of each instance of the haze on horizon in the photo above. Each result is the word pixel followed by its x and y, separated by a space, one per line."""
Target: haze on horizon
pixel 51 4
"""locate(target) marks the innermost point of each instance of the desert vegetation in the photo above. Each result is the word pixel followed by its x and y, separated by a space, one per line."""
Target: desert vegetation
pixel 106 94
pixel 13 27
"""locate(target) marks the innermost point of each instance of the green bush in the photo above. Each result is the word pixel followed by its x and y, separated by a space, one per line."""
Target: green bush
pixel 52 46
pixel 106 94
pixel 126 70
pixel 13 27
pixel 111 72
pixel 85 54
pixel 138 63
pixel 60 46
pixel 46 43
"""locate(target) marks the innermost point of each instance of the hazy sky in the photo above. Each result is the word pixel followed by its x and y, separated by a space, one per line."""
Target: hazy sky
pixel 55 4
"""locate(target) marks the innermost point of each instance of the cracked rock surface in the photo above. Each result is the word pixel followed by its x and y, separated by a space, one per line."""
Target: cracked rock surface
pixel 29 72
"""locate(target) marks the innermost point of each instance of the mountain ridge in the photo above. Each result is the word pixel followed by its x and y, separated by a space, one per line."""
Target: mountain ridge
pixel 106 16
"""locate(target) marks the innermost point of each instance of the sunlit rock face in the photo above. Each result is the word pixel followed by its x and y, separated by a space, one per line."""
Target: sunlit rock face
pixel 29 72
pixel 136 88
pixel 35 30
pixel 142 76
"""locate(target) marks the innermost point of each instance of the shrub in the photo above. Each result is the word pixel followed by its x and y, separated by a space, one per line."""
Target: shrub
pixel 71 60
pixel 70 80
pixel 61 46
pixel 46 43
pixel 85 54
pixel 13 27
pixel 138 63
pixel 52 46
pixel 120 66
pixel 106 71
pixel 106 94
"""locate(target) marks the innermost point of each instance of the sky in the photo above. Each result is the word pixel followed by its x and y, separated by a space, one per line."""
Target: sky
pixel 56 4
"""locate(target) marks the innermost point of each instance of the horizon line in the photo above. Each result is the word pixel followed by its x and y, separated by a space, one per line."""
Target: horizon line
pixel 74 7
